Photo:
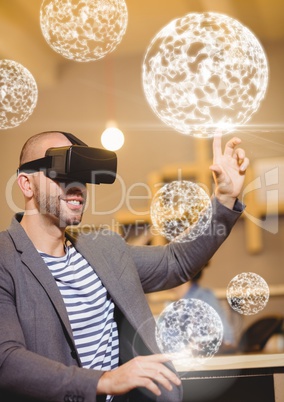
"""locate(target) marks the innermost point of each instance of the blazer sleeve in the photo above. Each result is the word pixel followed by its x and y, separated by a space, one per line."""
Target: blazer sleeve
pixel 164 267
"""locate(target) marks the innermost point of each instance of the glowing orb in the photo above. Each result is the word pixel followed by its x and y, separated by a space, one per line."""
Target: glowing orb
pixel 18 94
pixel 112 138
pixel 205 72
pixel 181 211
pixel 247 293
pixel 190 329
pixel 83 30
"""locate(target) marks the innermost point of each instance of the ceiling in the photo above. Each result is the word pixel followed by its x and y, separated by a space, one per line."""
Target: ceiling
pixel 21 38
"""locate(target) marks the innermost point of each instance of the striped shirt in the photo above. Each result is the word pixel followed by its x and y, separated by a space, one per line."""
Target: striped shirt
pixel 90 310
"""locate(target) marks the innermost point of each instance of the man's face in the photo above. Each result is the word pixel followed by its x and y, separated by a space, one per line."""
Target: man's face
pixel 62 202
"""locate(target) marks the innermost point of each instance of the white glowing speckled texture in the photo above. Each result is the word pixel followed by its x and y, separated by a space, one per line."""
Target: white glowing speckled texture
pixel 18 94
pixel 83 30
pixel 191 330
pixel 248 293
pixel 205 73
pixel 181 211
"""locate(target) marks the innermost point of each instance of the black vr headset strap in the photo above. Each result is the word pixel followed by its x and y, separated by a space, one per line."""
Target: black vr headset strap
pixel 46 162
pixel 72 138
pixel 35 165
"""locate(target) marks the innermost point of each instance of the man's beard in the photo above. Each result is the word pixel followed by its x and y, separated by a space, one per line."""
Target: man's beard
pixel 51 205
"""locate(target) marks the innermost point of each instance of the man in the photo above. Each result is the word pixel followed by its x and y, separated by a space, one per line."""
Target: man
pixel 74 322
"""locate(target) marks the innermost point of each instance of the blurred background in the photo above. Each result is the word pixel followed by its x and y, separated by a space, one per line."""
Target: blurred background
pixel 82 97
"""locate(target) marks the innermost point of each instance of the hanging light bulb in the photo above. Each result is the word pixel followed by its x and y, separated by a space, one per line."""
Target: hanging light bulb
pixel 112 138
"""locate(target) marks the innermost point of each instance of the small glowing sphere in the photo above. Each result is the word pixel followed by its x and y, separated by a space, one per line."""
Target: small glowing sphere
pixel 181 211
pixel 83 30
pixel 18 94
pixel 247 293
pixel 204 73
pixel 112 138
pixel 190 329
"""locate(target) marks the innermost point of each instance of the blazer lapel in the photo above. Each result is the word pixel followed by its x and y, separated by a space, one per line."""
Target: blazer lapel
pixel 33 261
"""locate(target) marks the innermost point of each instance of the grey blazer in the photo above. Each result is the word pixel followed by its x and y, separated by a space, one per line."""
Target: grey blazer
pixel 38 357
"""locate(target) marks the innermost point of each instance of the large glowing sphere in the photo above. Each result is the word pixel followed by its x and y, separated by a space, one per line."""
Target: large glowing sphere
pixel 181 211
pixel 247 293
pixel 83 30
pixel 190 329
pixel 205 72
pixel 18 94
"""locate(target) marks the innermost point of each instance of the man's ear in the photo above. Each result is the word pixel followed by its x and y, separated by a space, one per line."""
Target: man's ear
pixel 24 182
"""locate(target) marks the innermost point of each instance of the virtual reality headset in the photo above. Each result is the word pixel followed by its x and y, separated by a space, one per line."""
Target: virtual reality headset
pixel 76 162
